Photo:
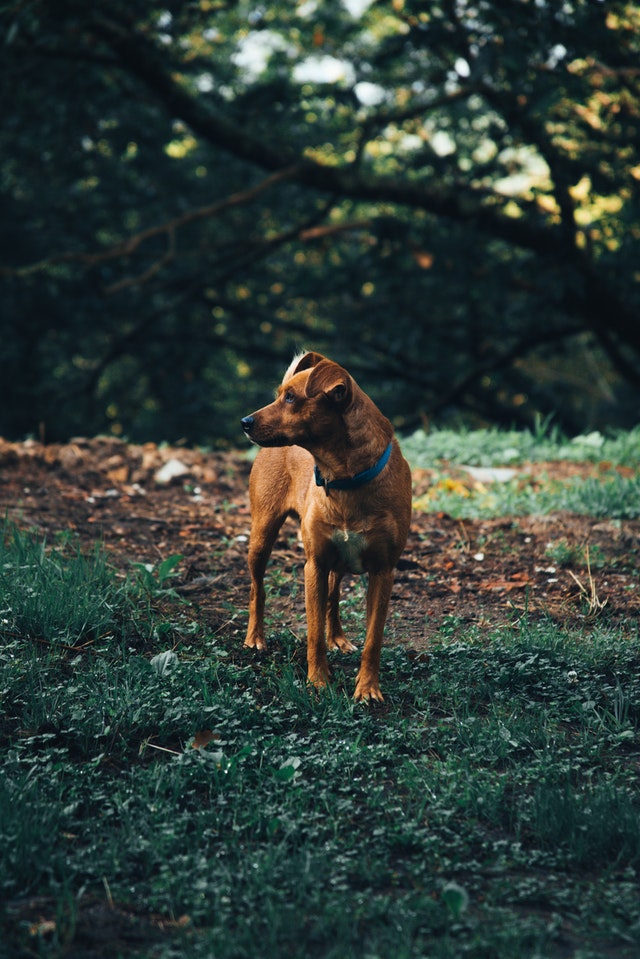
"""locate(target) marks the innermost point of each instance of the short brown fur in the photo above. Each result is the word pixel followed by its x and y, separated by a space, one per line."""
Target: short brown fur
pixel 320 415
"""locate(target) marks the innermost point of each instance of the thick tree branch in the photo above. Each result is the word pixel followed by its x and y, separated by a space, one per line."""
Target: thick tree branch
pixel 133 243
pixel 140 58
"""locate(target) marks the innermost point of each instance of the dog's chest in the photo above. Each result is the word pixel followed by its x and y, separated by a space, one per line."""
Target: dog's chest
pixel 350 546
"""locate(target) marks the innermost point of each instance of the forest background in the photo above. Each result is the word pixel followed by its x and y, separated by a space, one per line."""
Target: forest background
pixel 443 196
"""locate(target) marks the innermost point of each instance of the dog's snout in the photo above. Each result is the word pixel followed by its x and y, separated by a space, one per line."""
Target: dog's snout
pixel 247 423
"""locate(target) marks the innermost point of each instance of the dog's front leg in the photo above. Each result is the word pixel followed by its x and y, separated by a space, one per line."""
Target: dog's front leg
pixel 378 596
pixel 264 530
pixel 316 593
pixel 255 630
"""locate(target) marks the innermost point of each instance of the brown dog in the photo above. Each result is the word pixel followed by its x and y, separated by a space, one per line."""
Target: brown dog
pixel 354 506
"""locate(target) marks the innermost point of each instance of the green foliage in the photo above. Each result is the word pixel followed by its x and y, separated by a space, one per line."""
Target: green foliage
pixel 564 553
pixel 442 197
pixel 55 594
pixel 490 807
pixel 153 579
pixel 611 495
pixel 501 447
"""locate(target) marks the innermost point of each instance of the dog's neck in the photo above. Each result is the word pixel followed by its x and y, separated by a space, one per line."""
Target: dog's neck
pixel 358 447
pixel 356 481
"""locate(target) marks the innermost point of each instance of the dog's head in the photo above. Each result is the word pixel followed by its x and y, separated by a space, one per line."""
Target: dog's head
pixel 309 405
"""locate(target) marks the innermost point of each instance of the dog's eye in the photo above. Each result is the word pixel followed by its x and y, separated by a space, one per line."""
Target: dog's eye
pixel 289 396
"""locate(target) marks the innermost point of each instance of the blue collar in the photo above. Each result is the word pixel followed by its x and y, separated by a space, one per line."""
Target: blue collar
pixel 360 479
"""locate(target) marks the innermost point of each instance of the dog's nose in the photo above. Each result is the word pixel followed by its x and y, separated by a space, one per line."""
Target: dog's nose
pixel 247 423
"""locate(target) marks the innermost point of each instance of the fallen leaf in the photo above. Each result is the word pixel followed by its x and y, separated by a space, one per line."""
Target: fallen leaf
pixel 505 584
pixel 118 475
pixel 203 738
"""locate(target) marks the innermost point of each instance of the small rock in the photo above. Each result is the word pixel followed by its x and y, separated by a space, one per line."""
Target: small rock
pixel 171 470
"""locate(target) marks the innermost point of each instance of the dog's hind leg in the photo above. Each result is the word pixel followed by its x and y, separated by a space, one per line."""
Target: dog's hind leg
pixel 336 638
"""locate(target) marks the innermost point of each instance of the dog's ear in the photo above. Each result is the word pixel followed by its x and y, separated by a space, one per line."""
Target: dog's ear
pixel 306 361
pixel 329 378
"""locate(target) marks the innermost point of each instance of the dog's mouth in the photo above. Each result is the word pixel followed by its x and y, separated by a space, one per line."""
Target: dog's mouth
pixel 253 432
pixel 264 434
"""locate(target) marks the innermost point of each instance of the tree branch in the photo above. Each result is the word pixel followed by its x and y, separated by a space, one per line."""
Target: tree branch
pixel 140 58
pixel 129 246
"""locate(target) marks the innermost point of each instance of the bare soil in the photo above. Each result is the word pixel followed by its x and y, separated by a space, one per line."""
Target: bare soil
pixel 484 572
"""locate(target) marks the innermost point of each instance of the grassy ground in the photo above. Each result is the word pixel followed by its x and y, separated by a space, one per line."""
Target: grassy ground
pixel 164 795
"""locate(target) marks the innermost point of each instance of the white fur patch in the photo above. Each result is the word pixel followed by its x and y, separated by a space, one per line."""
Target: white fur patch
pixel 292 366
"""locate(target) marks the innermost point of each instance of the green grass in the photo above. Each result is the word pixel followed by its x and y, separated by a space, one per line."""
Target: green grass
pixel 338 829
pixel 490 808
pixel 611 495
pixel 54 595
pixel 497 447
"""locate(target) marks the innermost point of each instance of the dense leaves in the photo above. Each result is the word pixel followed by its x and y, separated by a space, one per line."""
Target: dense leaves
pixel 441 195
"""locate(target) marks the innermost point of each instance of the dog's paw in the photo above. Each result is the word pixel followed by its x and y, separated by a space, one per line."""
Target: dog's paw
pixel 256 642
pixel 318 678
pixel 368 688
pixel 340 642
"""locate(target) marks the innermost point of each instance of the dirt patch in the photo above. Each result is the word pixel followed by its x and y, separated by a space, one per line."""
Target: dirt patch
pixel 145 503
